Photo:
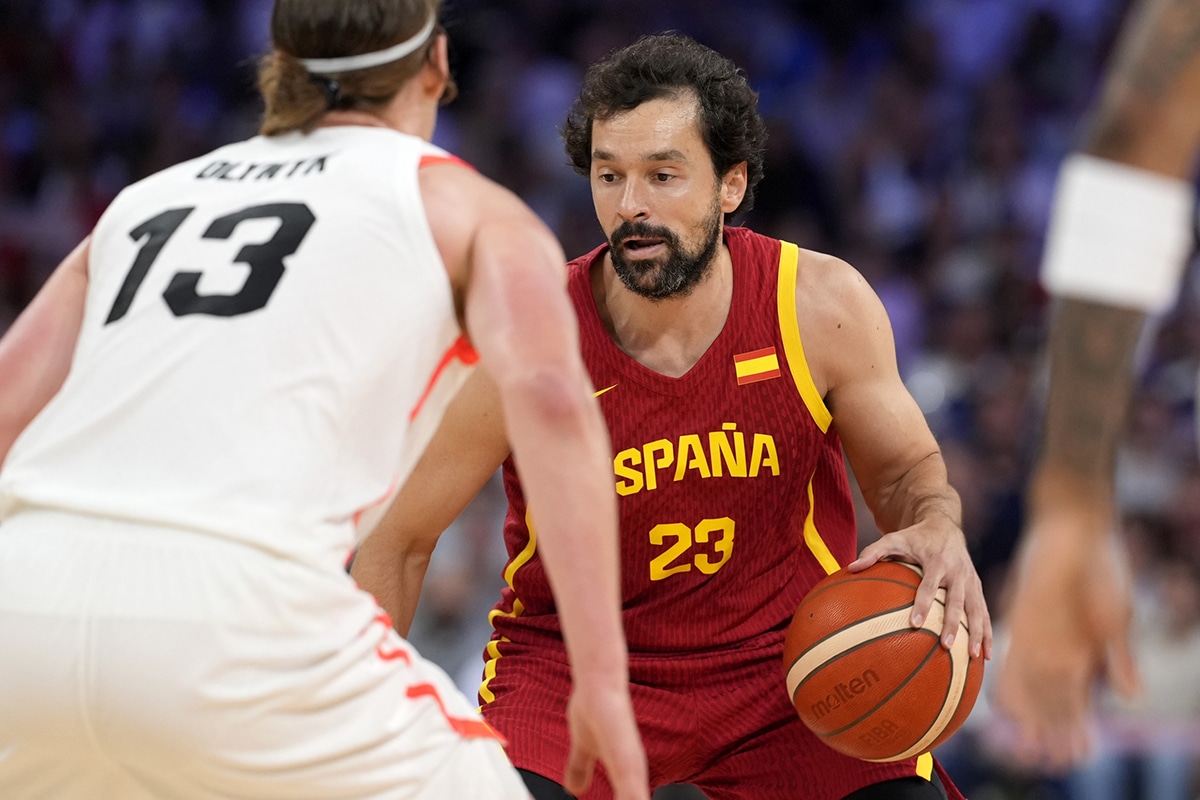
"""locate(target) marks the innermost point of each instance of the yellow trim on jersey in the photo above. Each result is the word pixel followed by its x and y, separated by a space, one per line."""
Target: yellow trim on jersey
pixel 925 766
pixel 493 649
pixel 489 670
pixel 789 328
pixel 812 538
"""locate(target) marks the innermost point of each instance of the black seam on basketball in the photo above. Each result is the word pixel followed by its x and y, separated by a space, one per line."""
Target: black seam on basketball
pixel 889 696
pixel 857 621
pixel 945 698
pixel 859 646
pixel 877 579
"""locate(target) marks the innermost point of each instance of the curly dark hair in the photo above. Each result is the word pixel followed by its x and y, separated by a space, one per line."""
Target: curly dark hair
pixel 667 65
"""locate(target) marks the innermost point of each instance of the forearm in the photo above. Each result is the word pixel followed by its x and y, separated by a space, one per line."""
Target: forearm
pixel 36 352
pixel 923 491
pixel 394 577
pixel 564 458
pixel 1091 350
pixel 1148 116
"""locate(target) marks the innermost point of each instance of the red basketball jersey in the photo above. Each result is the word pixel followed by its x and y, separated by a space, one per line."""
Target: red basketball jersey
pixel 734 501
pixel 733 496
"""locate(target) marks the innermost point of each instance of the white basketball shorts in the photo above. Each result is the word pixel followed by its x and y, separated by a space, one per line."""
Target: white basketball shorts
pixel 143 662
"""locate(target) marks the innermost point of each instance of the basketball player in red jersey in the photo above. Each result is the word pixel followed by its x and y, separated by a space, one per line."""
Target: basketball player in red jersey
pixel 734 370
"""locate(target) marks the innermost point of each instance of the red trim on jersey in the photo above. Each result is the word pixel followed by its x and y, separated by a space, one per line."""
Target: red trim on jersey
pixel 358 514
pixel 467 728
pixel 431 160
pixel 389 655
pixel 463 351
pixel 392 655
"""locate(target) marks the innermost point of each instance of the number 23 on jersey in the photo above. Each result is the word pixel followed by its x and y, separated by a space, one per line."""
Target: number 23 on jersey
pixel 706 547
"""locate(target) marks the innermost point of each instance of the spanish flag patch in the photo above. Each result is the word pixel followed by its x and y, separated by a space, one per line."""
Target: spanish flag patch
pixel 755 366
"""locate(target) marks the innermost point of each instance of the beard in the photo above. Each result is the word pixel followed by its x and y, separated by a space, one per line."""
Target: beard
pixel 674 275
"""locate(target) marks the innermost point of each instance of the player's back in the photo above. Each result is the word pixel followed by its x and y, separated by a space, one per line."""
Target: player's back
pixel 262 324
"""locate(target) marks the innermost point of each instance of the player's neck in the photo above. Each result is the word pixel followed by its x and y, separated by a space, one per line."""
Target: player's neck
pixel 404 113
pixel 668 336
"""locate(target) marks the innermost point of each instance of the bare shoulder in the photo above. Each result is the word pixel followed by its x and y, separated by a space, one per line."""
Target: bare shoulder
pixel 459 201
pixel 842 320
pixel 455 194
pixel 831 292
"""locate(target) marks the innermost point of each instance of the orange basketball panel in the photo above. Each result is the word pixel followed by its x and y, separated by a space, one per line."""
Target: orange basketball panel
pixel 855 684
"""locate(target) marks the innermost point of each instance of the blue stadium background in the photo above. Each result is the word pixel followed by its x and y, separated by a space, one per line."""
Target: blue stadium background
pixel 918 140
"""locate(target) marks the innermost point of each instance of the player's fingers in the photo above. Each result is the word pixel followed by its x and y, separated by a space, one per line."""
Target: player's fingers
pixel 1066 745
pixel 1122 668
pixel 1063 725
pixel 870 555
pixel 578 772
pixel 979 620
pixel 627 769
pixel 628 776
pixel 953 614
pixel 1052 733
pixel 1046 751
pixel 931 582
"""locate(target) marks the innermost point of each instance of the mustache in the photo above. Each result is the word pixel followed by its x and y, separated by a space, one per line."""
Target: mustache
pixel 640 230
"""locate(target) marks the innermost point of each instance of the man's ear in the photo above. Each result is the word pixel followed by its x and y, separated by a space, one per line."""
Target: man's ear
pixel 438 82
pixel 733 187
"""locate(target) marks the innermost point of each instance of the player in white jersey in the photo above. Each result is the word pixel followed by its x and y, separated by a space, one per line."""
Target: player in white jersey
pixel 213 400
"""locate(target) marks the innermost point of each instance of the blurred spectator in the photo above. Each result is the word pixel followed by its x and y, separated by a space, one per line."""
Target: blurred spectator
pixel 918 140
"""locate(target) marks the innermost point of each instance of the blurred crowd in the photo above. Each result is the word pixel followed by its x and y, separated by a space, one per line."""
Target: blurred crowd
pixel 918 140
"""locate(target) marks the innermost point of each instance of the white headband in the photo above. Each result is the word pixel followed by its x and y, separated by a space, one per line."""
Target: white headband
pixel 324 66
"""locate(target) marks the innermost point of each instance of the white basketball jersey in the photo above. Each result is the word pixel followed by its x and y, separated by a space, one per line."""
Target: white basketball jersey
pixel 269 343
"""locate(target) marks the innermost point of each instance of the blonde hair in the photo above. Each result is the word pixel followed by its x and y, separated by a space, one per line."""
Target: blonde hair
pixel 295 99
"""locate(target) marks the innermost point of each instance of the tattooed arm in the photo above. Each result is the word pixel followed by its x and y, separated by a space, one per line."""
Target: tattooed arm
pixel 1070 593
pixel 1148 115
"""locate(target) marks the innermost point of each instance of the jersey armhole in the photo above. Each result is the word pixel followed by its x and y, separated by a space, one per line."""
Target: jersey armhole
pixel 789 329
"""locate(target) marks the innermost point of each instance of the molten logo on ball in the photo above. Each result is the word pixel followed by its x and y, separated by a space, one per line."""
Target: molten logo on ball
pixel 845 692
pixel 863 679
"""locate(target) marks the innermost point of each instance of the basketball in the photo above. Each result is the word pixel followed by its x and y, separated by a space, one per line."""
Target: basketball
pixel 863 679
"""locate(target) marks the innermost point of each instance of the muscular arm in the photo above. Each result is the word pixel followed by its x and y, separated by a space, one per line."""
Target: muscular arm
pixel 1148 116
pixel 1071 596
pixel 509 273
pixel 467 449
pixel 36 352
pixel 894 455
pixel 1091 352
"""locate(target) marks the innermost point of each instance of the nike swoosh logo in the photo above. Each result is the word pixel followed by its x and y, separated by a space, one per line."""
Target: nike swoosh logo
pixel 609 389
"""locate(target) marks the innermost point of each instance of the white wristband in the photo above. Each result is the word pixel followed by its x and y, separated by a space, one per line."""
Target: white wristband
pixel 1118 235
